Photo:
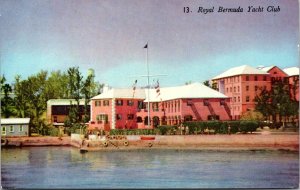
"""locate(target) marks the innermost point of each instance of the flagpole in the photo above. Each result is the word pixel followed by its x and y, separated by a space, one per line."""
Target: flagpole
pixel 148 76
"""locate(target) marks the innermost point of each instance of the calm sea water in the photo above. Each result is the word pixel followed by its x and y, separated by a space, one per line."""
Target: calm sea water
pixel 66 167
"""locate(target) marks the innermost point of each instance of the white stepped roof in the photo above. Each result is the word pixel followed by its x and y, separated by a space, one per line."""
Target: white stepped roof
pixel 266 68
pixel 9 121
pixel 241 70
pixel 292 71
pixel 121 93
pixel 195 90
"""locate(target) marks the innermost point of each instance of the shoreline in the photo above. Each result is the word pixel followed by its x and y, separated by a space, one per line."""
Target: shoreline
pixel 250 142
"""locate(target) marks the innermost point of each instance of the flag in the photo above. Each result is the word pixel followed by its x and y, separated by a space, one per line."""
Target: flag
pixel 157 88
pixel 134 87
pixel 146 46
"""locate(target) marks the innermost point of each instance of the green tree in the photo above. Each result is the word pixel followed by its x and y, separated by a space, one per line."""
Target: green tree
pixel 86 91
pixel 206 83
pixel 263 103
pixel 57 86
pixel 36 97
pixel 6 101
pixel 276 102
pixel 21 103
pixel 75 87
pixel 252 116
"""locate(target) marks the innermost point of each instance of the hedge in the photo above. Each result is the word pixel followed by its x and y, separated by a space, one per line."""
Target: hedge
pixel 220 127
pixel 132 132
pixel 194 127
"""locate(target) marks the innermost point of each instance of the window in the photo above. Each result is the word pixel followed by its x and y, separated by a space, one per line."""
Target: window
pixel 230 89
pixel 222 102
pixel 247 98
pixel 3 131
pixel 119 102
pixel 234 99
pixel 130 116
pixel 239 99
pixel 247 78
pixel 97 103
pixel 238 89
pixel 247 88
pixel 140 104
pixel 155 106
pixel 275 73
pixel 255 78
pixel 102 117
pixel 55 119
pixel 213 117
pixel 105 103
pixel 11 129
pixel 118 116
pixel 21 128
pixel 226 89
pixel 234 89
pixel 265 78
pixel 206 103
pixel 178 105
pixel 129 102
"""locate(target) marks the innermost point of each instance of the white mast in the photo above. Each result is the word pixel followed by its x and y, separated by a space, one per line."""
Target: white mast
pixel 148 77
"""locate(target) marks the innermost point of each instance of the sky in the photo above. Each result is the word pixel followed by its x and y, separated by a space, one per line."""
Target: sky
pixel 109 35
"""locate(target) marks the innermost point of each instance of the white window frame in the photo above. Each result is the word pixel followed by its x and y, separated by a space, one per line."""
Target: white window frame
pixel 21 128
pixel 3 132
pixel 11 129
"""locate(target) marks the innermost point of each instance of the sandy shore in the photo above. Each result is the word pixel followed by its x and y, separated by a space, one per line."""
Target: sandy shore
pixel 213 142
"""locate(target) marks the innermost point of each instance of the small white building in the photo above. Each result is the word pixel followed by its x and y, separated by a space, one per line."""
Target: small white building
pixel 15 126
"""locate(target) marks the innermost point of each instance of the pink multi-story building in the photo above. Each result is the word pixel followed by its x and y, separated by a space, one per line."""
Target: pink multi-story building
pixel 242 84
pixel 128 109
pixel 293 77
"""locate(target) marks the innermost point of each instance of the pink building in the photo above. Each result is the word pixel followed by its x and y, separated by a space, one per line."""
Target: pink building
pixel 293 77
pixel 119 109
pixel 242 84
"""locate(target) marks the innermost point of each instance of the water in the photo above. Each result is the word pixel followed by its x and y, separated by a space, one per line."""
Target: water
pixel 65 167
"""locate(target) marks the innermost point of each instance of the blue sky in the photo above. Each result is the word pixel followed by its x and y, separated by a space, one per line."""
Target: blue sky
pixel 109 36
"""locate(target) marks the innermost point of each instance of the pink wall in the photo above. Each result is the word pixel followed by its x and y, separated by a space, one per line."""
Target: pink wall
pixel 175 116
pixel 124 111
pixel 277 73
pixel 239 87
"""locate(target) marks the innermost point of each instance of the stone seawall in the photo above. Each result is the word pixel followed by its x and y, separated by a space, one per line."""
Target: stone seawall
pixel 245 141
pixel 239 141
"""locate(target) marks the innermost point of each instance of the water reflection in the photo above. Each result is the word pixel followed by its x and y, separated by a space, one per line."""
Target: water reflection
pixel 66 167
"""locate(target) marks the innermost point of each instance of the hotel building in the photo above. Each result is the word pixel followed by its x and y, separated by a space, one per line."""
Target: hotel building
pixel 128 109
pixel 243 83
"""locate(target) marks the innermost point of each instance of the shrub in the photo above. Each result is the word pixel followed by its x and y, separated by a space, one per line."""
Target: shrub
pixel 53 131
pixel 132 132
pixel 166 129
pixel 248 126
pixel 234 126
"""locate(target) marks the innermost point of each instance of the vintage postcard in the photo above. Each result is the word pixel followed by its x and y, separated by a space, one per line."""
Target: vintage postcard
pixel 130 94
